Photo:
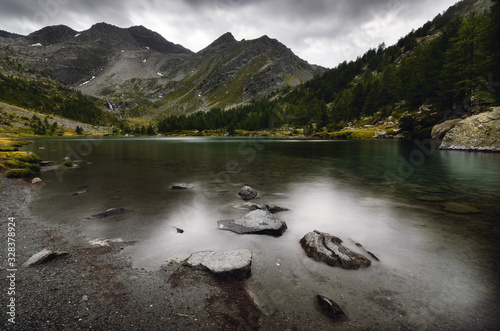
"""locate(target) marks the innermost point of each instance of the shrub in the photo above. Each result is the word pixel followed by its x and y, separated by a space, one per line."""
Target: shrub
pixel 20 173
pixel 28 158
pixel 13 164
pixel 68 164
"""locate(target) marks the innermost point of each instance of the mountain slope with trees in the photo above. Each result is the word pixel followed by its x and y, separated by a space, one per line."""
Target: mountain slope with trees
pixel 141 73
pixel 443 70
pixel 29 88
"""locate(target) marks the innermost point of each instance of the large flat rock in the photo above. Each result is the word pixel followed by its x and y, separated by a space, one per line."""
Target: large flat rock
pixel 476 133
pixel 326 248
pixel 235 262
pixel 255 222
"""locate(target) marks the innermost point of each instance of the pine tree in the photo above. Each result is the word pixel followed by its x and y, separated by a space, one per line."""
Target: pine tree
pixel 494 37
pixel 466 60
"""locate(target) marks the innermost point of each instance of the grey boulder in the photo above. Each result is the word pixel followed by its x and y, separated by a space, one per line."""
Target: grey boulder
pixel 255 222
pixel 326 248
pixel 236 263
pixel 247 193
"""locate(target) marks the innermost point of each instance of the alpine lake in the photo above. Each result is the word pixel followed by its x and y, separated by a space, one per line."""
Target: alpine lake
pixel 432 218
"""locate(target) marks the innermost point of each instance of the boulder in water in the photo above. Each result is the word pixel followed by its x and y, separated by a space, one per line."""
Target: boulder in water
pixel 234 262
pixel 247 193
pixel 273 209
pixel 330 308
pixel 326 248
pixel 255 222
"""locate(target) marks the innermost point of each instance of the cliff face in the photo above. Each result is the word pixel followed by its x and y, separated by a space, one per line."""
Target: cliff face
pixel 476 133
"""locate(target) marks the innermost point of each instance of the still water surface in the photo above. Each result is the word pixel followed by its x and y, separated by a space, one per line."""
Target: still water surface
pixel 438 269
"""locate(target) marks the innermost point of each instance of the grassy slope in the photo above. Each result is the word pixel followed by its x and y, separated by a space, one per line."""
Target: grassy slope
pixel 13 123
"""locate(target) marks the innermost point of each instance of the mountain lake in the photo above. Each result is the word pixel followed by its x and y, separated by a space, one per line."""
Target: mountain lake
pixel 430 216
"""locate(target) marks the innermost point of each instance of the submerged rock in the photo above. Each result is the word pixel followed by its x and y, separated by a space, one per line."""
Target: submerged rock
pixel 235 262
pixel 110 212
pixel 247 193
pixel 43 256
pixel 273 209
pixel 179 230
pixel 182 186
pixel 77 193
pixel 460 208
pixel 255 222
pixel 248 205
pixel 330 308
pixel 431 198
pixel 476 133
pixel 329 249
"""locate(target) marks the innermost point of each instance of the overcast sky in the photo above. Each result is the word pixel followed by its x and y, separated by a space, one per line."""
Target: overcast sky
pixel 324 32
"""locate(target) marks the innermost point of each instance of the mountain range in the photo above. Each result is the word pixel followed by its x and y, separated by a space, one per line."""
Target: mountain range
pixel 141 73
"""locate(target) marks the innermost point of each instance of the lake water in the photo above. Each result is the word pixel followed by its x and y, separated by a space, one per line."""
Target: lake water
pixel 437 269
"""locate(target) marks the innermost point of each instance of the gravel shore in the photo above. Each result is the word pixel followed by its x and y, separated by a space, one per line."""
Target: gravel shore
pixel 91 288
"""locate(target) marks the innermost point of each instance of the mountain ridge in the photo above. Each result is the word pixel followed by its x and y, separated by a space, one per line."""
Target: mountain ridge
pixel 140 69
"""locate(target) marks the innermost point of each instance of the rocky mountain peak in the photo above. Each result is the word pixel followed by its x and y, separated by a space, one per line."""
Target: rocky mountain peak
pixel 226 39
pixel 105 60
pixel 155 41
pixel 51 35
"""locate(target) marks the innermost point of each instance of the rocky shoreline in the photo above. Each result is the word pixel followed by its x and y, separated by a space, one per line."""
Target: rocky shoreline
pixel 90 287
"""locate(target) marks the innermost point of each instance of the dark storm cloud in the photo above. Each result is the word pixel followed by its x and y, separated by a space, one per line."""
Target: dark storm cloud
pixel 321 31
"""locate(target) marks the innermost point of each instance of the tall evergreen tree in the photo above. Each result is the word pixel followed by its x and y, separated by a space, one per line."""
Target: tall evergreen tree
pixel 466 60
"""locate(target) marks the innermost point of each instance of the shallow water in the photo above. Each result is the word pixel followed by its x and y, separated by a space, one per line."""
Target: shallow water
pixel 438 269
